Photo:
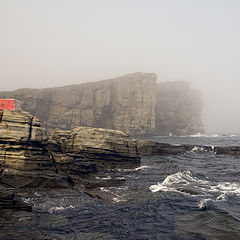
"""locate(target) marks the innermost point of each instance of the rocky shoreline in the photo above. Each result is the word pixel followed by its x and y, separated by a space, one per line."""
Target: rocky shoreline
pixel 66 159
pixel 78 158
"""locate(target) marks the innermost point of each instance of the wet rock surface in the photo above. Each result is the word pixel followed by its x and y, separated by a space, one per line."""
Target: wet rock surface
pixel 148 148
pixel 232 150
pixel 10 200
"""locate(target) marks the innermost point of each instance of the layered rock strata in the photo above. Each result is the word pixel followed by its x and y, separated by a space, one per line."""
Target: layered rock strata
pixel 23 152
pixel 126 103
pixel 88 147
pixel 29 159
pixel 134 104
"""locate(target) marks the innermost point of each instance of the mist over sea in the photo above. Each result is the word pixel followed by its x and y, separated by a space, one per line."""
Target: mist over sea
pixel 194 196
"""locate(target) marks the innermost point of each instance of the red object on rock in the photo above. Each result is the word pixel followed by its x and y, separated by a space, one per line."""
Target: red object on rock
pixel 10 104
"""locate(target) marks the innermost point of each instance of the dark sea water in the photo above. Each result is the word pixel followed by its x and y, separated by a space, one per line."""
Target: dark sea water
pixel 191 196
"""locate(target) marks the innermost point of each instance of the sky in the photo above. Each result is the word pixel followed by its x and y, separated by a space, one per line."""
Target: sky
pixel 49 43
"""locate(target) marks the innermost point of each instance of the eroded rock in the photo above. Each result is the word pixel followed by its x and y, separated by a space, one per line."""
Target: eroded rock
pixel 24 159
pixel 88 147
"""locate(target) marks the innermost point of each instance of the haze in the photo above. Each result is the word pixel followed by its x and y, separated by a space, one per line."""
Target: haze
pixel 48 43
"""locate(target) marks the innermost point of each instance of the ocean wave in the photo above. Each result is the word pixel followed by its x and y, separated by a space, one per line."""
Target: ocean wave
pixel 186 183
pixel 176 181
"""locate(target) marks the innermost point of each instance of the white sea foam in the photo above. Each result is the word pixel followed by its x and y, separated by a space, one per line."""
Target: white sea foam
pixel 176 181
pixel 142 167
pixel 203 202
pixel 60 208
pixel 132 170
pixel 198 135
pixel 211 135
pixel 186 183
pixel 226 188
pixel 113 191
pixel 104 178
pixel 197 149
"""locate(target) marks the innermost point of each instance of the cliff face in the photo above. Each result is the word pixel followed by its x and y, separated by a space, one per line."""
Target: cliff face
pixel 178 109
pixel 133 104
pixel 126 103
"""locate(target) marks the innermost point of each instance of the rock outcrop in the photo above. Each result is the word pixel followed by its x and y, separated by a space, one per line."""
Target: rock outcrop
pixel 85 147
pixel 29 159
pixel 178 109
pixel 231 150
pixel 151 148
pixel 24 159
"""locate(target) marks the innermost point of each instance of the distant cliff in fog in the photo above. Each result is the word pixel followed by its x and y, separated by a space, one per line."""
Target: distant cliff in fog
pixel 178 109
pixel 134 103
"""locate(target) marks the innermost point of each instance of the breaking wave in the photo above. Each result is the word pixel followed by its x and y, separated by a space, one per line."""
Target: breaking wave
pixel 184 182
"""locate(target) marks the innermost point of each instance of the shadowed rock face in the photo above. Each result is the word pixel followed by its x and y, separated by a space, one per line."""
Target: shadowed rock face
pixel 133 104
pixel 178 109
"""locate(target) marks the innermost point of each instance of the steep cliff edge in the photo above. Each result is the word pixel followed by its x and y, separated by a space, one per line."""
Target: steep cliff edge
pixel 134 104
pixel 126 103
pixel 178 109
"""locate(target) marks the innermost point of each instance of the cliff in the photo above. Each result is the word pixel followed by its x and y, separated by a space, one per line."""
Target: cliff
pixel 126 103
pixel 134 104
pixel 178 109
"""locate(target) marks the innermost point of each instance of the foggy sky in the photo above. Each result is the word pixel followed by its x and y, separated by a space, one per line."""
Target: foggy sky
pixel 48 43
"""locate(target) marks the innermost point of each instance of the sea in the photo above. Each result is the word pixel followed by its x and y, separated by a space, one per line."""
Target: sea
pixel 192 196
